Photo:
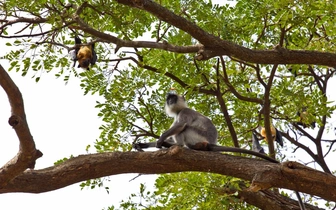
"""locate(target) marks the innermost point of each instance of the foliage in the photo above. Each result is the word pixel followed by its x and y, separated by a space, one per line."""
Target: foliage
pixel 234 93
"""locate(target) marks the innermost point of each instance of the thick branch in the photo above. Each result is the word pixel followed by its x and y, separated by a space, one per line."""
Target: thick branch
pixel 27 153
pixel 289 175
pixel 134 44
pixel 214 46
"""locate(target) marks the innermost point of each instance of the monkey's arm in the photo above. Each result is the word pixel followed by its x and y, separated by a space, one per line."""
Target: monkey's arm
pixel 175 129
pixel 94 57
pixel 77 41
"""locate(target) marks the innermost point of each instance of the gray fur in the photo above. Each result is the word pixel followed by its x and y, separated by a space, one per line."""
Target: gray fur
pixel 189 127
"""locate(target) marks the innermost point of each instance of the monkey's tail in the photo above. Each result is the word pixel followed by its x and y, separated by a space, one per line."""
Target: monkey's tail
pixel 301 204
pixel 218 148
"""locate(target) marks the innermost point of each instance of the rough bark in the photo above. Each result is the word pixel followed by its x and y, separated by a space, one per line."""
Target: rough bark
pixel 263 174
pixel 27 153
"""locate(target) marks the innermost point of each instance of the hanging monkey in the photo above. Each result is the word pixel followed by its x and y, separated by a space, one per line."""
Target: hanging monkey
pixel 85 55
pixel 276 135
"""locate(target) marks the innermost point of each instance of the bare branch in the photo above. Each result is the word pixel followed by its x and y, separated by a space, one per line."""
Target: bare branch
pixel 22 20
pixel 233 90
pixel 266 109
pixel 27 154
pixel 263 174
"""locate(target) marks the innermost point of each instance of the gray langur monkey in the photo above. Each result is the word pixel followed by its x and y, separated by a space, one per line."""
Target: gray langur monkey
pixel 197 132
pixel 191 129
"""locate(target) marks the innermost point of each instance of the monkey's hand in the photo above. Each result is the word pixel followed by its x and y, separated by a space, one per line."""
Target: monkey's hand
pixel 159 142
pixel 138 147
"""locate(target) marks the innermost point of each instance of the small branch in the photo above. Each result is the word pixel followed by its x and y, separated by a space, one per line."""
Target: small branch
pixel 232 88
pixel 266 109
pixel 171 76
pixel 22 20
pixel 224 108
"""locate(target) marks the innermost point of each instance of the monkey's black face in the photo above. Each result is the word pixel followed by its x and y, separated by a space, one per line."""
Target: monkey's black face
pixel 171 98
pixel 85 63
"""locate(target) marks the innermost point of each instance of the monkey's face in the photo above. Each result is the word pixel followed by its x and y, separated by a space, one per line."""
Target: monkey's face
pixel 171 98
pixel 84 63
pixel 174 104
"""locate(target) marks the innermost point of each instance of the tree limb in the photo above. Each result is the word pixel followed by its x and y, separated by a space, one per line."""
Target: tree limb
pixel 27 154
pixel 263 174
pixel 214 46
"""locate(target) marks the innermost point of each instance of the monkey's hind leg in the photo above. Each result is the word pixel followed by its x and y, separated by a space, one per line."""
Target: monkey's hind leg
pixel 94 55
pixel 77 41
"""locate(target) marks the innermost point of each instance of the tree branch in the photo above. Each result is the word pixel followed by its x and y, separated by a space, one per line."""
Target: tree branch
pixel 27 154
pixel 263 174
pixel 214 46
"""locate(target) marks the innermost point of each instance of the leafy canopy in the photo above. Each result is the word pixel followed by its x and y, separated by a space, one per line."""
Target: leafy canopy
pixel 133 76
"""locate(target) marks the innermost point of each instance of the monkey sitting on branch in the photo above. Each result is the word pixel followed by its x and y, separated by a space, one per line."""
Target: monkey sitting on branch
pixel 191 129
pixel 197 132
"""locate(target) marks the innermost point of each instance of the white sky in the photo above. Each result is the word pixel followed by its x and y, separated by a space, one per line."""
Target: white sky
pixel 63 122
